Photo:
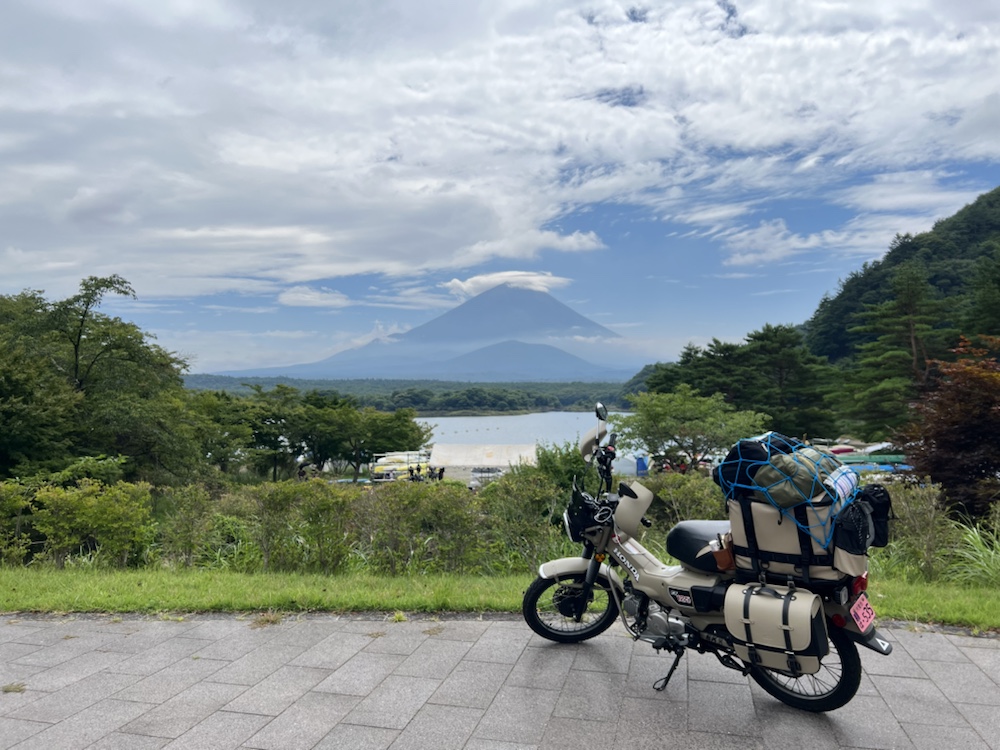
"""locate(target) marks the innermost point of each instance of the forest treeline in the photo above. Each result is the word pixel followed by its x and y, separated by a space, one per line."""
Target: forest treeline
pixel 436 397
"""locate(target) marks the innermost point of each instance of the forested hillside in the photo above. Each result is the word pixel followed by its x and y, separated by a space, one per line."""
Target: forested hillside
pixel 960 259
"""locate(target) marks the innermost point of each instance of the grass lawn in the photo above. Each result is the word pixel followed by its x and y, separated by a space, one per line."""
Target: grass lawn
pixel 161 591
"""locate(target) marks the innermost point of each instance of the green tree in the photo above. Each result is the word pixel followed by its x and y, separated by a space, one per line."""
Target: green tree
pixel 984 307
pixel 892 369
pixel 126 388
pixel 272 416
pixel 220 427
pixel 771 372
pixel 319 426
pixel 721 367
pixel 788 382
pixel 37 410
pixel 682 422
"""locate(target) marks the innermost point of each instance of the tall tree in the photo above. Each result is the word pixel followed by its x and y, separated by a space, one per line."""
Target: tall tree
pixel 272 416
pixel 321 426
pixel 984 309
pixel 127 387
pixel 221 431
pixel 369 432
pixel 910 330
pixel 771 372
pixel 789 382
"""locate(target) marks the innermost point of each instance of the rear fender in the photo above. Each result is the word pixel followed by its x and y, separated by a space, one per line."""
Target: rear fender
pixel 871 638
pixel 566 566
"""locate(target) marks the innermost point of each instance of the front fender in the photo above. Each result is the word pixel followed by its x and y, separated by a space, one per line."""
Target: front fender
pixel 566 566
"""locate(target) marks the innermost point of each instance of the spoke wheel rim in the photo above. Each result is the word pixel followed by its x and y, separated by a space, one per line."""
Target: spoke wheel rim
pixel 819 685
pixel 564 593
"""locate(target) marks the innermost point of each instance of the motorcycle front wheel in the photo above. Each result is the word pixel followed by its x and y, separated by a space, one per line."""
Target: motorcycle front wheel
pixel 832 687
pixel 559 610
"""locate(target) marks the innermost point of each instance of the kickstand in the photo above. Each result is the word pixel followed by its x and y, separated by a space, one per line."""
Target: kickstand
pixel 661 684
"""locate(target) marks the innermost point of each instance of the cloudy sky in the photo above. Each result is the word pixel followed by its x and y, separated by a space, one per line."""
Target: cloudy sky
pixel 281 181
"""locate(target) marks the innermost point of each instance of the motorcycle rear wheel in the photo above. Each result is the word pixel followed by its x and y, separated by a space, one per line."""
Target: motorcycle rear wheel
pixel 551 605
pixel 832 687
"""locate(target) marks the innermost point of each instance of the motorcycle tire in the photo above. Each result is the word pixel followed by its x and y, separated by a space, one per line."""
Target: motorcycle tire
pixel 554 608
pixel 832 687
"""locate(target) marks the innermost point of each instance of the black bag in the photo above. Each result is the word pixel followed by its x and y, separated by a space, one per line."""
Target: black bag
pixel 736 471
pixel 855 529
pixel 879 501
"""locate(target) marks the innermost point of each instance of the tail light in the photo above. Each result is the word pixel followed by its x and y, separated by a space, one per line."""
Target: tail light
pixel 859 585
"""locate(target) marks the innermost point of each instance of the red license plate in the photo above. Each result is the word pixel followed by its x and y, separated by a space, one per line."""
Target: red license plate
pixel 863 613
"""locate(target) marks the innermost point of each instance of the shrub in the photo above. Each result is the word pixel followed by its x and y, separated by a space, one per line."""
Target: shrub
pixel 560 463
pixel 186 522
pixel 273 508
pixel 417 527
pixel 15 523
pixel 324 513
pixel 112 521
pixel 684 497
pixel 229 545
pixel 976 559
pixel 923 536
pixel 522 521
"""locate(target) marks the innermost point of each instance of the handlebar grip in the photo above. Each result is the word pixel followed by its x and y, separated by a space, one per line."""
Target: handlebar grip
pixel 612 439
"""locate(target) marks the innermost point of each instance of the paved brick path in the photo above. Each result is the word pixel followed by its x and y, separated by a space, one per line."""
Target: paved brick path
pixel 321 681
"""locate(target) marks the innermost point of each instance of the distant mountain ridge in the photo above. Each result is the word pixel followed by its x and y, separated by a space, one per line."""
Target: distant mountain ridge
pixel 505 334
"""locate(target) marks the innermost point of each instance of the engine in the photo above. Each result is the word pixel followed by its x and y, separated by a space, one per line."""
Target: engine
pixel 651 622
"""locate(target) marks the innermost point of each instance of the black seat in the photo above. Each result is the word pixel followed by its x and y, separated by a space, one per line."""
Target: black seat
pixel 689 542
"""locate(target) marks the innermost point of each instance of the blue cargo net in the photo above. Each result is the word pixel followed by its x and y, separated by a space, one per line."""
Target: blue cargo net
pixel 789 474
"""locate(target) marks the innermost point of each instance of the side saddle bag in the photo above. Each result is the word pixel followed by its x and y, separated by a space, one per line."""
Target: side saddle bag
pixel 777 627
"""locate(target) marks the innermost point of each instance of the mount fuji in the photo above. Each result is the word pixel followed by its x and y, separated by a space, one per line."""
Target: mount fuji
pixel 505 334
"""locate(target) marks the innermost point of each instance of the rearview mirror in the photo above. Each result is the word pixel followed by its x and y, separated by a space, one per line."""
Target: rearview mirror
pixel 601 411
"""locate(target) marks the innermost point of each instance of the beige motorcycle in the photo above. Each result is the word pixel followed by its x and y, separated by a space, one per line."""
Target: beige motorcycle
pixel 795 635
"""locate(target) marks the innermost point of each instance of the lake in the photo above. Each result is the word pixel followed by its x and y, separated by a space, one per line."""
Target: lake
pixel 551 428
pixel 545 428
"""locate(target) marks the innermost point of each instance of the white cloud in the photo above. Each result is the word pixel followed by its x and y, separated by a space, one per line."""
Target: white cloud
pixel 768 242
pixel 304 296
pixel 539 282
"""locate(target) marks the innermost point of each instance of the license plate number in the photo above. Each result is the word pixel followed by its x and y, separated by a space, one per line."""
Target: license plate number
pixel 863 613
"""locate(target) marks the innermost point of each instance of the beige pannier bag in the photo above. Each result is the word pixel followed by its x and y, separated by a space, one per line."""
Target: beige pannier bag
pixel 777 627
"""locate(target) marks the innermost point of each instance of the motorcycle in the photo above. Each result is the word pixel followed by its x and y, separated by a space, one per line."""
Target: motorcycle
pixel 698 605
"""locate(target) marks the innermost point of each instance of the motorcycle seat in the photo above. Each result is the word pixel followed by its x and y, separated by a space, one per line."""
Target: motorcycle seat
pixel 689 542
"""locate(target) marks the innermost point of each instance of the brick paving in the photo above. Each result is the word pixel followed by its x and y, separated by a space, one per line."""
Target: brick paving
pixel 365 683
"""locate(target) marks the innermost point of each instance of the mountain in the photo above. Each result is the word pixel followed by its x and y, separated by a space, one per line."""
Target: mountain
pixel 504 313
pixel 505 334
pixel 526 362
